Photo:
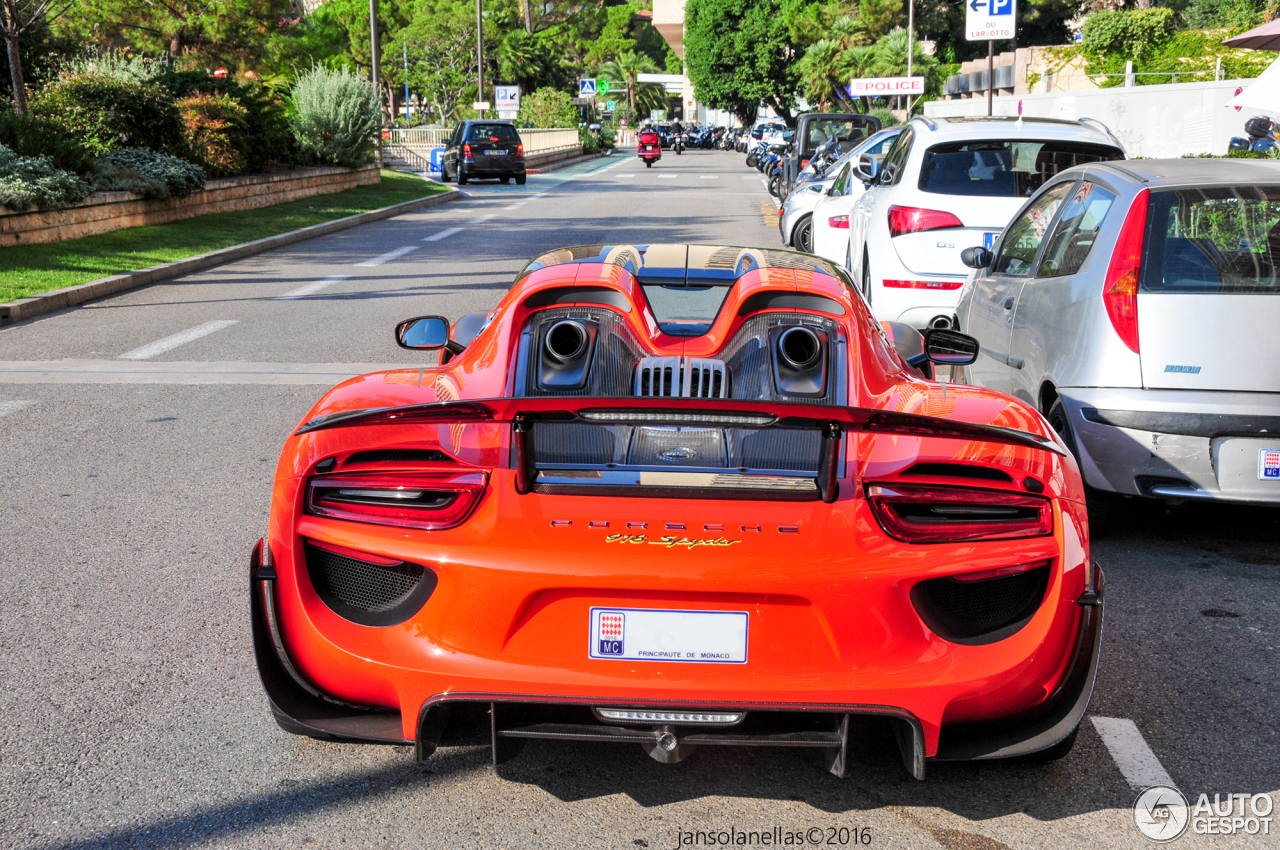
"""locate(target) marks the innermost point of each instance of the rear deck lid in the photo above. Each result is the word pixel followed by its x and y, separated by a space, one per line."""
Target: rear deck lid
pixel 1209 301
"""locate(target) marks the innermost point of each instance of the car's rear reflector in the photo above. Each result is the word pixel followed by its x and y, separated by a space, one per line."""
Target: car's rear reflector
pixel 426 500
pixel 840 222
pixel 904 220
pixel 922 513
pixel 644 716
pixel 924 284
pixel 678 417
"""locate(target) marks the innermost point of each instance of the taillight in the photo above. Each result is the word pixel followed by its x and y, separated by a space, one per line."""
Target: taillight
pixel 924 284
pixel 427 500
pixel 804 163
pixel 903 220
pixel 520 150
pixel 840 221
pixel 922 513
pixel 466 150
pixel 1120 291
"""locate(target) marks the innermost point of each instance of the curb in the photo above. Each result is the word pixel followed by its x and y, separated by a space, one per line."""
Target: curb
pixel 71 296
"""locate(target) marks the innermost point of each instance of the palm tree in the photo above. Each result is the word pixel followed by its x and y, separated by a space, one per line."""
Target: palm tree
pixel 628 67
pixel 820 70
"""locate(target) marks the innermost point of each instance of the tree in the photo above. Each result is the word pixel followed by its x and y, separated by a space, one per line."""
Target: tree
pixel 440 42
pixel 16 18
pixel 547 108
pixel 530 60
pixel 739 54
pixel 627 68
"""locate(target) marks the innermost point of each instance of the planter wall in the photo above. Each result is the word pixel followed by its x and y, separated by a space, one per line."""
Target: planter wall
pixel 107 211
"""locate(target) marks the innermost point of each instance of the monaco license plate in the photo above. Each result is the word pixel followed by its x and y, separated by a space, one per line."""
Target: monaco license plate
pixel 648 634
pixel 1269 464
pixel 495 153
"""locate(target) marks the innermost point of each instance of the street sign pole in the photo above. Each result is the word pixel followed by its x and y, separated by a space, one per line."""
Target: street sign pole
pixel 991 75
pixel 479 55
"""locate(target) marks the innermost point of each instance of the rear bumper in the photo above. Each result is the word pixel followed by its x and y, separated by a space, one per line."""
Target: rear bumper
pixel 480 167
pixel 519 710
pixel 1175 444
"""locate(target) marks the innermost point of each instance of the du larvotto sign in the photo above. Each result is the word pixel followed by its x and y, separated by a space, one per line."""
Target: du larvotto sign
pixel 990 20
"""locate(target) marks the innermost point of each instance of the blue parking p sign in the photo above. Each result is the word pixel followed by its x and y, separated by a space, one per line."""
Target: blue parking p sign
pixel 1001 7
pixel 437 160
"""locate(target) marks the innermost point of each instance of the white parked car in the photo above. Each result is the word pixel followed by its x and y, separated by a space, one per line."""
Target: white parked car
pixel 948 184
pixel 830 222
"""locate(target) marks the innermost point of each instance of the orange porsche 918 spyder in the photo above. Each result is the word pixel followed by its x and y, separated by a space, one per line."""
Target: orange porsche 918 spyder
pixel 679 496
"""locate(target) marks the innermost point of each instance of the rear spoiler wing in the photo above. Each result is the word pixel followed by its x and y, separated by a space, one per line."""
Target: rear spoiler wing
pixel 833 422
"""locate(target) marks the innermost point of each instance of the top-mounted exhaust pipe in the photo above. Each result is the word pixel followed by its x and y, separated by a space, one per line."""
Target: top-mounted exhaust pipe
pixel 566 341
pixel 566 354
pixel 799 360
pixel 800 348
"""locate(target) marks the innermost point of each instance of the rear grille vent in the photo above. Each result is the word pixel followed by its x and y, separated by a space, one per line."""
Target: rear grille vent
pixel 979 612
pixel 681 377
pixel 386 455
pixel 372 592
pixel 959 470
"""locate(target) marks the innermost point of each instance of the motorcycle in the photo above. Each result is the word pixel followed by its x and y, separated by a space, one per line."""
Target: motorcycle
pixel 649 147
pixel 1263 135
pixel 677 143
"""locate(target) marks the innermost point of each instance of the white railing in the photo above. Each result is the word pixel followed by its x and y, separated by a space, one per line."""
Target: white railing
pixel 535 140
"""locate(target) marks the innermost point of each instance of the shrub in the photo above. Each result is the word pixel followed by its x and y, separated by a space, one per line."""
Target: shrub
pixel 110 114
pixel 147 173
pixel 215 127
pixel 34 135
pixel 336 114
pixel 886 116
pixel 34 181
pixel 267 137
pixel 1133 34
pixel 115 64
pixel 547 108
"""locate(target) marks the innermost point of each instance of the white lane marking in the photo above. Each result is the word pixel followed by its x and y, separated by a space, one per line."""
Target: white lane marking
pixel 311 288
pixel 625 175
pixel 7 407
pixel 443 234
pixel 539 195
pixel 515 206
pixel 709 177
pixel 183 372
pixel 666 177
pixel 169 343
pixel 388 257
pixel 1139 766
pixel 484 218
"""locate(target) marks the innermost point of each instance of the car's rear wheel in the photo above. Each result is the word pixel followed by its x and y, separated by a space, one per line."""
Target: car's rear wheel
pixel 462 176
pixel 1105 509
pixel 520 178
pixel 803 238
pixel 444 174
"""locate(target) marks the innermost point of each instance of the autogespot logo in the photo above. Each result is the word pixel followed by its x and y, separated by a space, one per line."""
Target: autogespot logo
pixel 1160 812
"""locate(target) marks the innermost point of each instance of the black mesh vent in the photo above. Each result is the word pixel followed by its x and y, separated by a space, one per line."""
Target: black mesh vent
pixel 978 612
pixel 579 442
pixel 788 449
pixel 959 470
pixel 367 593
pixel 386 455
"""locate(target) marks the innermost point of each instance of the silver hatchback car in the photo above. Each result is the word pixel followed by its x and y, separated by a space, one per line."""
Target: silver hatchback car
pixel 1137 304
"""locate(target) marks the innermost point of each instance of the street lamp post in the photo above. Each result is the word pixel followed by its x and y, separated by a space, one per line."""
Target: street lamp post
pixel 479 55
pixel 373 45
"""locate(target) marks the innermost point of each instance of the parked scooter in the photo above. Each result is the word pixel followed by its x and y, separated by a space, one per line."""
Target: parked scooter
pixel 1263 135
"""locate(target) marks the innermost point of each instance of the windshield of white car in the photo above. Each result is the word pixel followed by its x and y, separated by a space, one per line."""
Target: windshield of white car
pixel 1003 169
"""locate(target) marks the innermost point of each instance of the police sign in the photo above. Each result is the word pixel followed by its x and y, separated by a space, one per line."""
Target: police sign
pixel 990 20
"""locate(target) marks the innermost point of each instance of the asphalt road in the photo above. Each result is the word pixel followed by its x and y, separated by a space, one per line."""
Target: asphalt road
pixel 138 437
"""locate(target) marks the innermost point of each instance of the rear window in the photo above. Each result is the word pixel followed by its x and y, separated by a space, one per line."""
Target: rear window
pixel 496 132
pixel 822 130
pixel 999 169
pixel 685 310
pixel 1213 240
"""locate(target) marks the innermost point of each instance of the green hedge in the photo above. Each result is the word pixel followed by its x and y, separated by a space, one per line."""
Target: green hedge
pixel 34 182
pixel 147 173
pixel 109 114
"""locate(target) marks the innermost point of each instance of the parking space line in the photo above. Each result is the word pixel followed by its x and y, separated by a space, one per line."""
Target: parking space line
pixel 14 405
pixel 483 218
pixel 539 195
pixel 169 343
pixel 311 288
pixel 709 177
pixel 1129 750
pixel 514 206
pixel 443 234
pixel 666 177
pixel 388 257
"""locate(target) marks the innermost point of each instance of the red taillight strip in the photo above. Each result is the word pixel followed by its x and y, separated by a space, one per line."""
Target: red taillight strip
pixel 904 220
pixel 925 513
pixel 923 284
pixel 1120 291
pixel 430 501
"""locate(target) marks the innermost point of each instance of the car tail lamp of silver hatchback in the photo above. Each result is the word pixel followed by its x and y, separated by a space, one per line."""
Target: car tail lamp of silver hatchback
pixel 1120 291
pixel 926 513
pixel 425 500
